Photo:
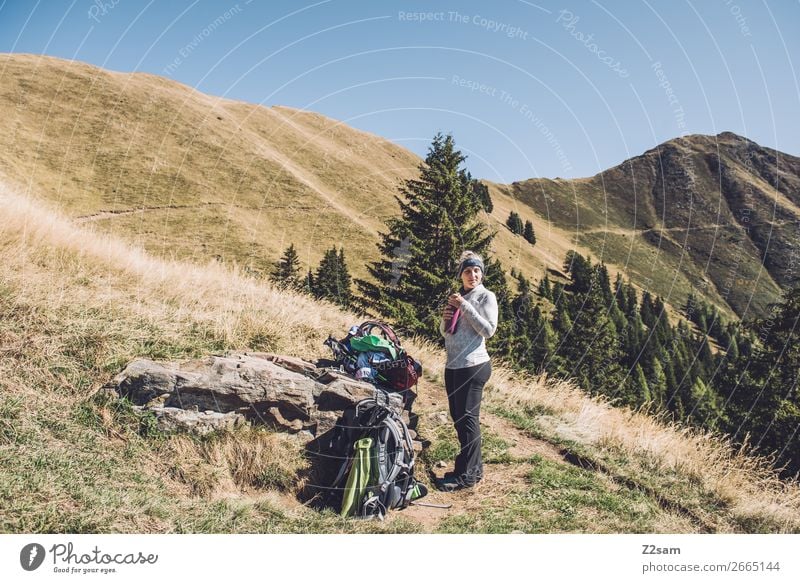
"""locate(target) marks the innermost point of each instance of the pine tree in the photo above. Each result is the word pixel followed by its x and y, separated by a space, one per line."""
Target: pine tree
pixel 482 194
pixel 604 281
pixel 285 273
pixel 704 358
pixel 761 392
pixel 592 347
pixel 672 382
pixel 691 307
pixel 579 268
pixel 519 227
pixel 657 382
pixel 640 388
pixel 702 324
pixel 619 293
pixel 631 339
pixel 557 294
pixel 662 328
pixel 544 288
pixel 514 222
pixel 309 283
pixel 631 302
pixel 744 340
pixel 733 349
pixel 332 280
pixel 543 341
pixel 703 407
pixel 522 309
pixel 528 233
pixel 647 310
pixel 419 254
pixel 562 320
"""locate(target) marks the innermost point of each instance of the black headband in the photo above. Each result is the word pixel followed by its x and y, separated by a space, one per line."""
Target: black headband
pixel 471 262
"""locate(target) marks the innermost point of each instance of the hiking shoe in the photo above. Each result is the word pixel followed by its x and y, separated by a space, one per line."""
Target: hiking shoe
pixel 453 484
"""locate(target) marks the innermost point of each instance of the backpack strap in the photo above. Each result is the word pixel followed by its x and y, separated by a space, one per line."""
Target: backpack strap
pixel 403 457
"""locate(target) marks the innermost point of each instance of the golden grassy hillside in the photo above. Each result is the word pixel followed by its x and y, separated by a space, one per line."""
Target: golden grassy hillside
pixel 76 304
pixel 190 176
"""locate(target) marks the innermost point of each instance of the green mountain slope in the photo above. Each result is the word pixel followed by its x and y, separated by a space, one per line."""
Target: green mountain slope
pixel 719 214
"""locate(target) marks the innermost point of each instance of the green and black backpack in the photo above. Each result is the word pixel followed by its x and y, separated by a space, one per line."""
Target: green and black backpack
pixel 377 460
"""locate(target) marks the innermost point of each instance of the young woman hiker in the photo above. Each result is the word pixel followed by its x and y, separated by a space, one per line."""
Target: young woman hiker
pixel 469 318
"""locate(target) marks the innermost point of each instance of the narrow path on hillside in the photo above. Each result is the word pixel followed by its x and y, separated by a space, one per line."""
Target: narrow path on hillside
pixel 633 232
pixel 500 479
pixel 117 213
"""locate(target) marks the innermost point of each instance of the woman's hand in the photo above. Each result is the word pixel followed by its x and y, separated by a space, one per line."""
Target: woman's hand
pixel 455 300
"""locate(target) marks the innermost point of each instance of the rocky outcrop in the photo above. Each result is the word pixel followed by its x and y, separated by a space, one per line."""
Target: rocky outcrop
pixel 171 419
pixel 221 392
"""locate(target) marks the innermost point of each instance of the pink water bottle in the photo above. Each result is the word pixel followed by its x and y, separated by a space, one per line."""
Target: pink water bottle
pixel 452 328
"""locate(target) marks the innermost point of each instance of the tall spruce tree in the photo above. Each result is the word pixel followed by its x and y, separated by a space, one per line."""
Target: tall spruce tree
pixel 619 293
pixel 528 233
pixel 543 341
pixel 591 350
pixel 761 392
pixel 522 309
pixel 332 280
pixel 657 381
pixel 544 288
pixel 514 222
pixel 287 269
pixel 631 303
pixel 579 268
pixel 308 286
pixel 482 193
pixel 419 253
pixel 641 390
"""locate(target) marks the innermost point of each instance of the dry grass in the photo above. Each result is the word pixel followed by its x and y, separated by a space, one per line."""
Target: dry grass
pixel 247 461
pixel 745 483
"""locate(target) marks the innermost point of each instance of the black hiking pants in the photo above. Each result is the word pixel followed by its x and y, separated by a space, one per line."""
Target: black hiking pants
pixel 464 392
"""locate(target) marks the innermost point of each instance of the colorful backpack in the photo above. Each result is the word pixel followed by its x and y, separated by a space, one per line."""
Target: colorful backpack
pixel 399 372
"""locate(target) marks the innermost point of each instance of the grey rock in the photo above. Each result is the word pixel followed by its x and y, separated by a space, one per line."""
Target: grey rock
pixel 248 385
pixel 170 419
pixel 144 379
pixel 344 392
pixel 284 392
pixel 291 363
pixel 323 421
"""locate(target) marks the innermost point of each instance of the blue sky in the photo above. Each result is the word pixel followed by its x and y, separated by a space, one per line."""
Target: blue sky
pixel 528 89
